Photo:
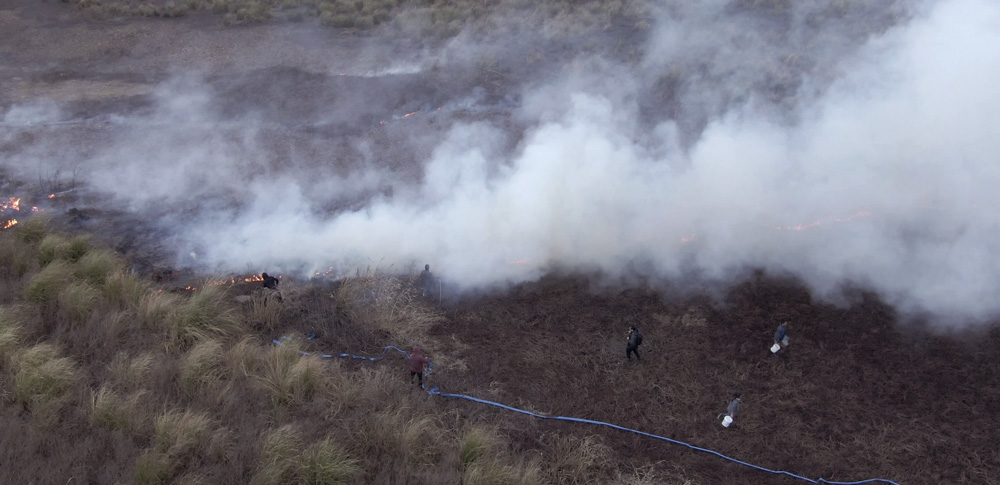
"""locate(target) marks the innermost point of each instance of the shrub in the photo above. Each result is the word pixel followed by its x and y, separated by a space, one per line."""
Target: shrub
pixel 98 265
pixel 56 247
pixel 44 287
pixel 78 300
pixel 206 314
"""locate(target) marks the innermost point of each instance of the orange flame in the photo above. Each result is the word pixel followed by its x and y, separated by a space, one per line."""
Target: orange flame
pixel 52 196
pixel 12 203
pixel 11 223
pixel 407 115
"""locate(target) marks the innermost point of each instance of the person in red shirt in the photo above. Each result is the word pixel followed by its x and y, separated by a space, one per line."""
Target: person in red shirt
pixel 417 364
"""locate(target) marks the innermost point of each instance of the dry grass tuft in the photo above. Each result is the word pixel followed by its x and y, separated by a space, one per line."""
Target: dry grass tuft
pixel 42 380
pixel 98 265
pixel 33 230
pixel 78 300
pixel 16 258
pixel 576 460
pixel 109 410
pixel 44 287
pixel 283 459
pixel 377 301
pixel 154 308
pixel 264 311
pixel 125 290
pixel 207 313
pixel 10 335
pixel 131 372
pixel 290 377
pixel 201 366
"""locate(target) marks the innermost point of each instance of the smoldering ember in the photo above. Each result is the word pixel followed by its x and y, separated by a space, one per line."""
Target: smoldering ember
pixel 635 242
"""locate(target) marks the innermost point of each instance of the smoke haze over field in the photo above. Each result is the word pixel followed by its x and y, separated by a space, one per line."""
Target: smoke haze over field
pixel 822 153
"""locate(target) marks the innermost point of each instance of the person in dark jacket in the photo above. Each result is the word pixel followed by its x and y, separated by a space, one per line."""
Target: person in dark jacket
pixel 633 341
pixel 417 364
pixel 426 281
pixel 270 282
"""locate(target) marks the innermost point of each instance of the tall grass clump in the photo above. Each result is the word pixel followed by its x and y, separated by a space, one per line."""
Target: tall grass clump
pixel 155 307
pixel 10 330
pixel 16 258
pixel 201 366
pixel 264 311
pixel 206 314
pixel 290 377
pixel 479 452
pixel 284 459
pixel 42 381
pixel 327 462
pixel 110 410
pixel 376 300
pixel 125 290
pixel 57 247
pixel 98 265
pixel 44 287
pixel 78 300
pixel 179 438
pixel 34 229
pixel 130 372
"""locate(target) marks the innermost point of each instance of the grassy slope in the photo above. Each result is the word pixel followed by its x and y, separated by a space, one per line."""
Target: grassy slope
pixel 108 378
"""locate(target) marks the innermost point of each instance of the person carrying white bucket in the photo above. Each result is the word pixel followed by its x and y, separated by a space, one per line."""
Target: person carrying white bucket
pixel 731 411
pixel 780 338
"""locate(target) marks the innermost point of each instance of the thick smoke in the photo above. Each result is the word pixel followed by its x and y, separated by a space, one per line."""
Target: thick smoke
pixel 871 164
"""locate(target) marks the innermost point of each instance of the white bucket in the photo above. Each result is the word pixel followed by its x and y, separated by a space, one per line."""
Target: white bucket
pixel 726 421
pixel 775 348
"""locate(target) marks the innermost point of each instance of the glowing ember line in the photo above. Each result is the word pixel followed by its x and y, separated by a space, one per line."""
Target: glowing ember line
pixel 407 115
pixel 11 223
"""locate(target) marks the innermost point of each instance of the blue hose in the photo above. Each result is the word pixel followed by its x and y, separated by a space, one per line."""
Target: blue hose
pixel 435 391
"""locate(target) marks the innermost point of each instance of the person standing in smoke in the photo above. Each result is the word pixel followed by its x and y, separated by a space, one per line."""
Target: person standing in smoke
pixel 417 364
pixel 426 281
pixel 780 338
pixel 633 340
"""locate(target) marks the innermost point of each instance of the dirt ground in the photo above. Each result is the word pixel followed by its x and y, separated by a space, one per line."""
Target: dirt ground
pixel 859 394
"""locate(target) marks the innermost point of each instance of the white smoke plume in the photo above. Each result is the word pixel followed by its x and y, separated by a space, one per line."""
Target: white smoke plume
pixel 877 169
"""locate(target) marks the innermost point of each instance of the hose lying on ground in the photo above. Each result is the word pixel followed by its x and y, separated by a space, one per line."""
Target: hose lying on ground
pixel 435 391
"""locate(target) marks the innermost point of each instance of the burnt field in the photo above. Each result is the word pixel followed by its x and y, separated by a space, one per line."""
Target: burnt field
pixel 702 172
